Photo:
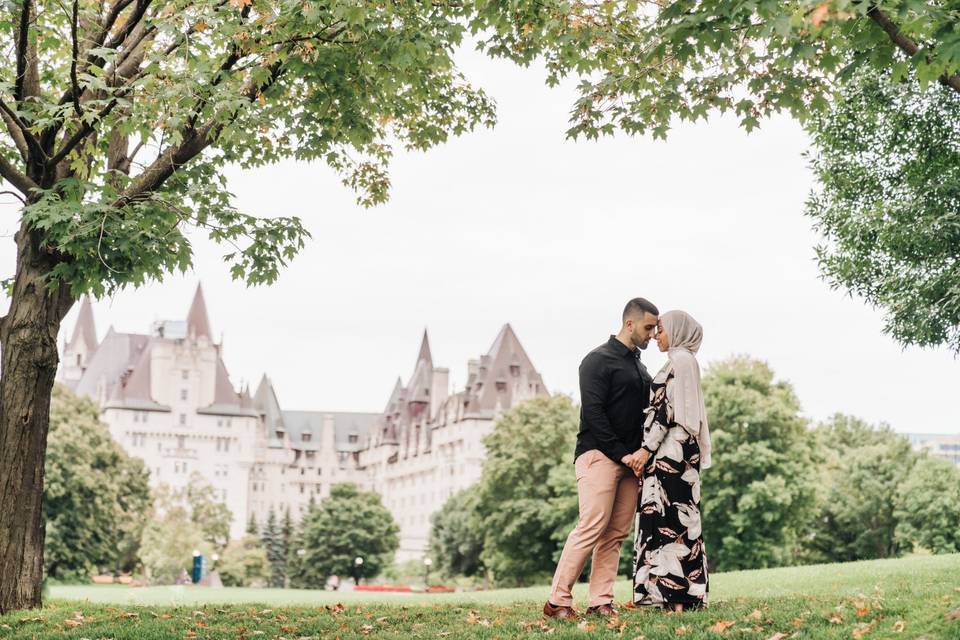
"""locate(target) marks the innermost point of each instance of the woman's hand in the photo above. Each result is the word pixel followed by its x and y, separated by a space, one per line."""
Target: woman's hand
pixel 640 458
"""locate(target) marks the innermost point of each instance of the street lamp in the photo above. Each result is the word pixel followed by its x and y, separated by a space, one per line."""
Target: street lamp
pixel 427 562
pixel 357 568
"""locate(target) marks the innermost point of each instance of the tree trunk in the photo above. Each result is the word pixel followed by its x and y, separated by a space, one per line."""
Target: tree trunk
pixel 28 348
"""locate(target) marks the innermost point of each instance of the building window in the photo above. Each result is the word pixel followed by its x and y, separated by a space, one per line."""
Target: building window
pixel 183 419
pixel 143 416
pixel 79 359
pixel 180 441
pixel 305 436
pixel 185 374
pixel 228 422
pixel 353 438
pixel 136 417
pixel 320 471
pixel 183 394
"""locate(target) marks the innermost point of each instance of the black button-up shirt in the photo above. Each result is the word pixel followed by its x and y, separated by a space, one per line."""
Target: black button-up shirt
pixel 614 391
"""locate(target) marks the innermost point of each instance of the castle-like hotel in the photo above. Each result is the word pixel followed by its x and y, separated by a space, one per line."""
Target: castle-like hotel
pixel 168 399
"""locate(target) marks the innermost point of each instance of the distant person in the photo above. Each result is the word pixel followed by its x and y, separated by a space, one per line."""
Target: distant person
pixel 670 561
pixel 614 391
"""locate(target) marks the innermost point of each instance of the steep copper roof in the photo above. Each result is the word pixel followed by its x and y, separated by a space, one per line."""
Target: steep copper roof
pixel 118 354
pixel 198 322
pixel 425 349
pixel 136 384
pixel 223 391
pixel 506 375
pixel 85 329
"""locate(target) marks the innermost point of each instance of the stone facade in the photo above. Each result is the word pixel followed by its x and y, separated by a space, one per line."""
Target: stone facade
pixel 167 399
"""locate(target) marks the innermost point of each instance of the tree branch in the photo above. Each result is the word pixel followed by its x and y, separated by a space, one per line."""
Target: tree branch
pixel 18 179
pixel 16 134
pixel 907 45
pixel 31 142
pixel 23 39
pixel 75 84
pixel 85 130
pixel 194 144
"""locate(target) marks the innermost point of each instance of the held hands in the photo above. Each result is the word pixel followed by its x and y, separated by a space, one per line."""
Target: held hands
pixel 636 461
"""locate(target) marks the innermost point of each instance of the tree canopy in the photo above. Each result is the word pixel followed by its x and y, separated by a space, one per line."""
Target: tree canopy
pixel 347 524
pixel 95 498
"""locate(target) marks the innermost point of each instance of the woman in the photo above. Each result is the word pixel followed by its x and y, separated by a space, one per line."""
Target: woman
pixel 670 563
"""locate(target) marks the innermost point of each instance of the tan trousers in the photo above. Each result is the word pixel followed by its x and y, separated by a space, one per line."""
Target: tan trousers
pixel 608 501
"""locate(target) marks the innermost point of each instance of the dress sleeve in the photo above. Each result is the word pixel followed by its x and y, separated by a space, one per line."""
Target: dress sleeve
pixel 655 426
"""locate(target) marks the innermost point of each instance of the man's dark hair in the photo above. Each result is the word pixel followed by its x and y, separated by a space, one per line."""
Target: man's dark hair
pixel 639 305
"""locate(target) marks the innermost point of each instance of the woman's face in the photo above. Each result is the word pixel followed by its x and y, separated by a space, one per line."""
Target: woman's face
pixel 663 342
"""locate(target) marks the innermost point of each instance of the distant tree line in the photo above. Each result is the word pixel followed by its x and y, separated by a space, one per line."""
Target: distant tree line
pixel 781 491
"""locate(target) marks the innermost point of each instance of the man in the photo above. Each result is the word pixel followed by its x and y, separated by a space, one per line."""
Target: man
pixel 614 391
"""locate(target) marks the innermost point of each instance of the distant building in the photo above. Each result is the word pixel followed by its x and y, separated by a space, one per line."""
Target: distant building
pixel 940 445
pixel 167 398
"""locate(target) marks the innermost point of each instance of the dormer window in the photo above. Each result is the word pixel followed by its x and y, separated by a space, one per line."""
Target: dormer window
pixel 353 438
pixel 305 436
pixel 514 370
pixel 79 359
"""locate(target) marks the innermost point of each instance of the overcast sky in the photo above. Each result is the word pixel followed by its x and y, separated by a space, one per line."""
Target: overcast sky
pixel 517 224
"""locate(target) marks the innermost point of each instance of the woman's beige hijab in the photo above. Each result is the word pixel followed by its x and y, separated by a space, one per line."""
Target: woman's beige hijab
pixel 685 335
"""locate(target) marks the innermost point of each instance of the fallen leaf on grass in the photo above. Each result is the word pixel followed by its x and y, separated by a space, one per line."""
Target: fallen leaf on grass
pixel 863 629
pixel 778 636
pixel 366 629
pixel 756 614
pixel 898 626
pixel 720 626
pixel 26 620
pixel 797 622
pixel 73 624
pixel 836 618
pixel 583 625
pixel 161 615
pixel 953 615
pixel 681 630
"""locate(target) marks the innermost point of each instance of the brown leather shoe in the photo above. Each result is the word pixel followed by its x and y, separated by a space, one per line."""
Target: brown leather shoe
pixel 551 610
pixel 605 610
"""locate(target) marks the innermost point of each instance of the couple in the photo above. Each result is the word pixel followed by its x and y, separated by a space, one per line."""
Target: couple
pixel 640 449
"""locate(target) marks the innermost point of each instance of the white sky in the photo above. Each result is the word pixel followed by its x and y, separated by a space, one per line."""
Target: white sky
pixel 517 224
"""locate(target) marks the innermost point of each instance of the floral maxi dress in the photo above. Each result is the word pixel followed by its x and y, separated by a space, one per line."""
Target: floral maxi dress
pixel 669 562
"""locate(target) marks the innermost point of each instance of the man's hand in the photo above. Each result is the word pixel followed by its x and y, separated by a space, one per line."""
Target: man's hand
pixel 639 460
pixel 628 460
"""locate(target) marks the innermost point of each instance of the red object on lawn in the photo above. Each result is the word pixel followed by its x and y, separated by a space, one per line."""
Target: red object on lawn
pixel 399 588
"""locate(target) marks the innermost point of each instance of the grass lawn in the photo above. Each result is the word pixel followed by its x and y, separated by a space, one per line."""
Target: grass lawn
pixel 917 597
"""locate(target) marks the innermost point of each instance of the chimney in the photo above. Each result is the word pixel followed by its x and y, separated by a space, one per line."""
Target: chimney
pixel 439 388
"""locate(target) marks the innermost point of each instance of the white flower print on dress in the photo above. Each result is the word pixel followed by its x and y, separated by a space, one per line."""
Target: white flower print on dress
pixel 653 494
pixel 690 518
pixel 692 477
pixel 666 559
